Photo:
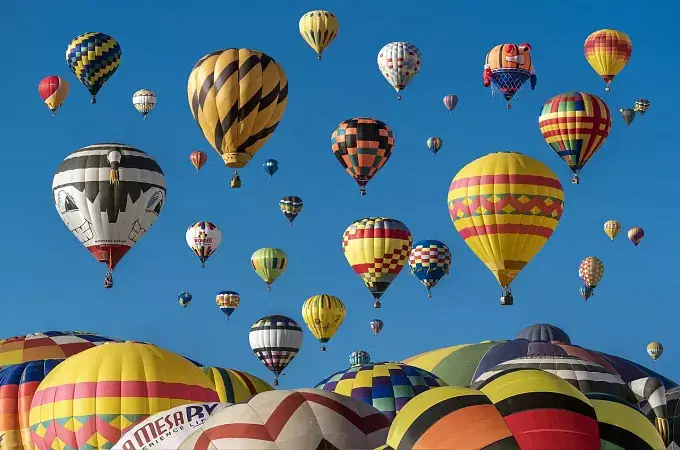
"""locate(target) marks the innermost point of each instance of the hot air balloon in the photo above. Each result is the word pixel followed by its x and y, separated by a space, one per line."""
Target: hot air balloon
pixel 198 158
pixel 234 386
pixel 612 228
pixel 591 270
pixel 399 62
pixel 89 200
pixel 94 58
pixel 505 206
pixel 608 52
pixel 275 340
pixel 586 292
pixel 450 101
pixel 203 238
pixel 362 146
pixel 271 166
pixel 575 125
pixel 434 144
pixel 376 326
pixel 300 419
pixel 269 263
pixel 107 389
pixel 641 106
pixel 387 386
pixel 242 107
pixel 377 249
pixel 184 299
pixel 507 67
pixel 227 301
pixel 53 90
pixel 429 261
pixel 323 315
pixel 144 101
pixel 359 358
pixel 655 350
pixel 628 115
pixel 290 207
pixel 318 28
pixel 635 235
pixel 18 384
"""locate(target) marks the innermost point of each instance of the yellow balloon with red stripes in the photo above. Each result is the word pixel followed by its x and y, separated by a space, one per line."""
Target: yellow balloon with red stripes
pixel 91 399
pixel 505 206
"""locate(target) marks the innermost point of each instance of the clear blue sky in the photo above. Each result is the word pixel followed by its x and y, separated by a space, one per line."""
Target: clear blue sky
pixel 49 281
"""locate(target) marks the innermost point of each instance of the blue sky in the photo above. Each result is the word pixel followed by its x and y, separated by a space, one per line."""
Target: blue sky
pixel 51 282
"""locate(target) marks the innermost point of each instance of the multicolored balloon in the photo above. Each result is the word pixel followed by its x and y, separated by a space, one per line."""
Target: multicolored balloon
pixel 507 67
pixel 359 358
pixel 386 386
pixel 376 326
pixel 88 188
pixel 144 101
pixel 184 299
pixel 429 261
pixel 635 235
pixel 323 315
pixel 269 263
pixel 271 166
pixel 450 101
pixel 198 158
pixel 505 206
pixel 434 144
pixel 612 228
pixel 608 52
pixel 93 58
pixel 53 90
pixel 591 270
pixel 102 386
pixel 290 207
pixel 318 28
pixel 275 340
pixel 239 113
pixel 227 301
pixel 655 350
pixel 234 386
pixel 203 238
pixel 377 249
pixel 362 146
pixel 399 62
pixel 641 106
pixel 575 125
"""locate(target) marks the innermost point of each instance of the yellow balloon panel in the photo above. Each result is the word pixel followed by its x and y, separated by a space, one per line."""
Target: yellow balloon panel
pixel 505 206
pixel 91 399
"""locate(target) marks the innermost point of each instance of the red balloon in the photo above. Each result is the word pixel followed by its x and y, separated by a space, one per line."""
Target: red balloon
pixel 48 86
pixel 198 158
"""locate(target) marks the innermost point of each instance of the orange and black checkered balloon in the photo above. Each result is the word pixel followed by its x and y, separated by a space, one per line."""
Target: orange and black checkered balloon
pixel 362 146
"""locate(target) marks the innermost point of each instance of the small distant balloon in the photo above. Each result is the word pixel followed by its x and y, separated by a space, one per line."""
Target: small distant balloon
pixel 227 301
pixel 450 101
pixel 269 263
pixel 399 62
pixel 655 350
pixel 591 270
pixel 376 326
pixel 434 144
pixel 144 101
pixel 641 106
pixel 203 238
pixel 184 299
pixel 290 207
pixel 628 115
pixel 586 292
pixel 198 158
pixel 271 166
pixel 53 90
pixel 612 228
pixel 318 28
pixel 635 235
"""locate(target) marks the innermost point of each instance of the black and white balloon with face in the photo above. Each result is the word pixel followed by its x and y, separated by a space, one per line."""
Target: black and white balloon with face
pixel 109 195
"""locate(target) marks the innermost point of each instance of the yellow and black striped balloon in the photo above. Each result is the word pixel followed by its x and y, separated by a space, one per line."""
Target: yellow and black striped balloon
pixel 318 28
pixel 237 97
pixel 93 57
